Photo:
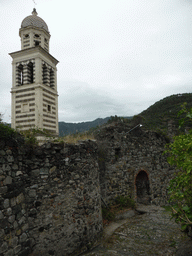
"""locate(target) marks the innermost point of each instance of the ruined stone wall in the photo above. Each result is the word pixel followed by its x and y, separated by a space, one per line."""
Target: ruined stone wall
pixel 49 198
pixel 123 155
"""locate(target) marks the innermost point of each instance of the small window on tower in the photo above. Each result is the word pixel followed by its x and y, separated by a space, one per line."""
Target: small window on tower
pixel 48 108
pixel 26 36
pixel 36 35
pixel 37 43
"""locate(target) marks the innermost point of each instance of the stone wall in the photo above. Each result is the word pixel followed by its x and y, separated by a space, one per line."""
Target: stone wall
pixel 49 198
pixel 125 154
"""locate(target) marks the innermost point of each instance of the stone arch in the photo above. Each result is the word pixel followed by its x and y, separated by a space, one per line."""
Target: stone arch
pixel 142 186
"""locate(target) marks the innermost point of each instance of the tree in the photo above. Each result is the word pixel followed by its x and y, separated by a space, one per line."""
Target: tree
pixel 180 189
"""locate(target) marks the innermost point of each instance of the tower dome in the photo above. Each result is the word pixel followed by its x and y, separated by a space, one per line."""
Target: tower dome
pixel 35 21
pixel 33 32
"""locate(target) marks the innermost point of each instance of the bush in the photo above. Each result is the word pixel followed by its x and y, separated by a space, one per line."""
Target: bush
pixel 180 189
pixel 125 202
pixel 6 131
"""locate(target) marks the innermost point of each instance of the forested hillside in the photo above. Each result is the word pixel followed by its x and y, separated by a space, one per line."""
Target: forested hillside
pixel 69 128
pixel 157 117
pixel 160 114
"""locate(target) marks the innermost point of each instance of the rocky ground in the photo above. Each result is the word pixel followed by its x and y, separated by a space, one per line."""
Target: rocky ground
pixel 147 231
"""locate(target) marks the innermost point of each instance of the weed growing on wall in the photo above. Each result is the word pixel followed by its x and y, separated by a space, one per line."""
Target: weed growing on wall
pixel 74 138
pixel 124 202
pixel 121 203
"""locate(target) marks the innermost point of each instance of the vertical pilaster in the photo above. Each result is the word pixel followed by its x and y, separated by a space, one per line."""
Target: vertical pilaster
pixel 39 108
pixel 13 125
pixel 25 74
pixel 38 71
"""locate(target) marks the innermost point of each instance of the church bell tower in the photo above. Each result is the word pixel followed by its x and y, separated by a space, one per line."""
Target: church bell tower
pixel 34 79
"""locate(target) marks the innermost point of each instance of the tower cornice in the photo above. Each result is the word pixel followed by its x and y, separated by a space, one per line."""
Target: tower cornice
pixel 32 50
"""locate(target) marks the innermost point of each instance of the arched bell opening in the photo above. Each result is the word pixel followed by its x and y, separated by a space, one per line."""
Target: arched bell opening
pixel 142 188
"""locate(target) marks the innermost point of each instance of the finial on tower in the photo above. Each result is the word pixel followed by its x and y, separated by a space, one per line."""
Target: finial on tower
pixel 34 12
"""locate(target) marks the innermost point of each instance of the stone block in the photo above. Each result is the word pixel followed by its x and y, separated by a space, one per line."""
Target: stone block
pixel 7 180
pixel 3 190
pixel 9 253
pixel 13 242
pixel 15 167
pixel 2 152
pixel 9 211
pixel 17 249
pixel 32 193
pixel 10 159
pixel 52 170
pixel 20 198
pixel 11 219
pixel 2 233
pixel 13 201
pixel 35 172
pixel 15 225
pixel 23 238
pixel 44 171
pixel 19 173
pixel 6 203
pixel 3 247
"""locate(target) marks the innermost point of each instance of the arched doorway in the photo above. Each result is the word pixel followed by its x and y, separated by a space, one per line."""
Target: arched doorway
pixel 142 187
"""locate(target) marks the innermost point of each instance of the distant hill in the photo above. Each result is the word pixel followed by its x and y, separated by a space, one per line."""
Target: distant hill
pixel 69 128
pixel 157 117
pixel 164 112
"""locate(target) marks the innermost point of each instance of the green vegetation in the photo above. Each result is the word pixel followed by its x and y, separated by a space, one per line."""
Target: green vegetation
pixel 180 155
pixel 6 131
pixel 74 138
pixel 71 128
pixel 121 203
pixel 30 135
pixel 124 202
pixel 164 111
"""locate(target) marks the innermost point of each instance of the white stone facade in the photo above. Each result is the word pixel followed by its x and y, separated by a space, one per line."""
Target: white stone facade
pixel 34 79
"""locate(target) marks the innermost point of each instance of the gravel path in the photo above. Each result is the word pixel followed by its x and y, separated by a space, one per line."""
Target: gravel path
pixel 149 232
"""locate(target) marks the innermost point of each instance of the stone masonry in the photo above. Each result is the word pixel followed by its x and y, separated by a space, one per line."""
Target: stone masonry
pixel 49 198
pixel 123 155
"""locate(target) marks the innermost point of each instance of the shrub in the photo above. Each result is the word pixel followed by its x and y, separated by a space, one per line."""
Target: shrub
pixel 125 202
pixel 6 131
pixel 180 189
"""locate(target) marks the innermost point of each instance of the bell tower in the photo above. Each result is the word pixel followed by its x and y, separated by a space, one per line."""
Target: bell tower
pixel 34 79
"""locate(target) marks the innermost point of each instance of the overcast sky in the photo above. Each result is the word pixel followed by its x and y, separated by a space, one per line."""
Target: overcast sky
pixel 116 57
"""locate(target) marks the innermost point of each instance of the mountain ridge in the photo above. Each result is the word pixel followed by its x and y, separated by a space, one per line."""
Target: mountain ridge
pixel 156 117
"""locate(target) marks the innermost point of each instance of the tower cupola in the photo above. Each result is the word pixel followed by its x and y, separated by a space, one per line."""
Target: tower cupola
pixel 33 32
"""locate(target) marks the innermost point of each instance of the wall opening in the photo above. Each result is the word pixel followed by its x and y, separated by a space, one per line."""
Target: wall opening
pixel 52 78
pixel 142 188
pixel 30 73
pixel 45 75
pixel 19 75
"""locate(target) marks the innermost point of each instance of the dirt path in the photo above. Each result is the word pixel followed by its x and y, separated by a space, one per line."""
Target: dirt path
pixel 149 232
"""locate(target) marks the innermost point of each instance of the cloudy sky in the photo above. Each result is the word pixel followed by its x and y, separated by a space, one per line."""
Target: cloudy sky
pixel 116 57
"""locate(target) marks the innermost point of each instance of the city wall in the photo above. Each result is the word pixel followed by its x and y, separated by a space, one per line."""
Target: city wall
pixel 50 196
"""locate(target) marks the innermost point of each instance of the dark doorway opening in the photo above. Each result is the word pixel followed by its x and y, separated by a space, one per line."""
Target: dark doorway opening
pixel 142 187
